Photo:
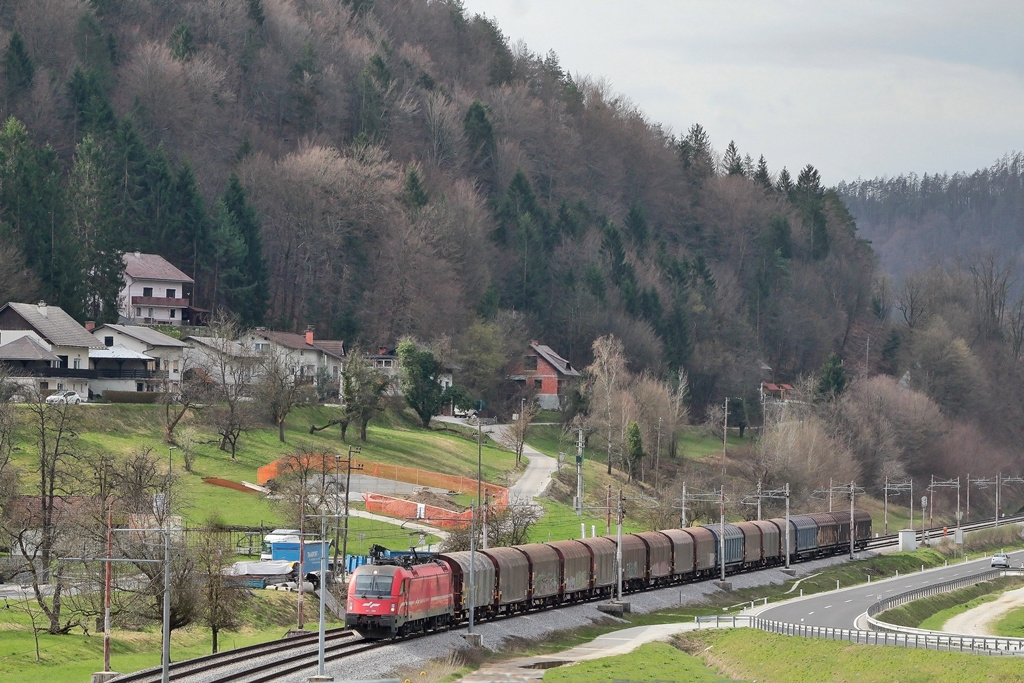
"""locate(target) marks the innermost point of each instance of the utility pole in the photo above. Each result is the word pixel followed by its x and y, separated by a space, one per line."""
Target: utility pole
pixel 484 531
pixel 725 435
pixel 897 488
pixel 682 509
pixel 618 546
pixel 1004 481
pixel 721 529
pixel 579 473
pixel 945 483
pixel 782 493
pixel 657 460
pixel 352 450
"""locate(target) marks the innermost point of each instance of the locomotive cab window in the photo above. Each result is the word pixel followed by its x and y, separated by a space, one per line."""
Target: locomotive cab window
pixel 373 585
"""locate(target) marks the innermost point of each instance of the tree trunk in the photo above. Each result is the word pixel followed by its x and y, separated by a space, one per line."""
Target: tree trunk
pixel 362 430
pixel 215 631
pixel 280 430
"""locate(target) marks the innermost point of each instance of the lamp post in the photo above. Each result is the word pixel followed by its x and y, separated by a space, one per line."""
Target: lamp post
pixel 725 435
pixel 166 635
pixel 348 483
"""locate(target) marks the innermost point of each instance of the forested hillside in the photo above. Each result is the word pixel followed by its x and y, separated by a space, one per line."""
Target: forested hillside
pixel 915 221
pixel 398 167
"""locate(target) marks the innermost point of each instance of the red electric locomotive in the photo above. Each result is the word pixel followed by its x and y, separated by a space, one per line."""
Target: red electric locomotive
pixel 399 596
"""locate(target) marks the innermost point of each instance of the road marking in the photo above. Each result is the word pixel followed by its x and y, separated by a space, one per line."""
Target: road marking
pixel 810 613
pixel 828 606
pixel 849 601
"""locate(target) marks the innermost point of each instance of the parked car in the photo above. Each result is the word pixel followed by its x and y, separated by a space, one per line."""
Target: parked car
pixel 1001 560
pixel 64 397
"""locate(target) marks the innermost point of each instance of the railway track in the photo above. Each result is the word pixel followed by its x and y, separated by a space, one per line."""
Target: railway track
pixel 936 532
pixel 206 664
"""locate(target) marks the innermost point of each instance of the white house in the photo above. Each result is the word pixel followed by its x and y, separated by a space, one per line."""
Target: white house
pixel 302 354
pixel 29 330
pixel 226 362
pixel 155 292
pixel 162 356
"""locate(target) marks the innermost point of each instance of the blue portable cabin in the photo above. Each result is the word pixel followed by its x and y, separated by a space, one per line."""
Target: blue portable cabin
pixel 733 544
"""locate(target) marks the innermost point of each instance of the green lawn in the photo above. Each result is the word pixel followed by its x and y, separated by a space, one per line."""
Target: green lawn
pixel 656 662
pixel 745 654
pixel 74 657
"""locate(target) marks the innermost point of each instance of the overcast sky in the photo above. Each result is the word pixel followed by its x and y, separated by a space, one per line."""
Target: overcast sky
pixel 859 88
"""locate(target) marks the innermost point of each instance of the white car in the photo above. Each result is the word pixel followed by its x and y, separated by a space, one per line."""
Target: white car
pixel 64 397
pixel 1001 560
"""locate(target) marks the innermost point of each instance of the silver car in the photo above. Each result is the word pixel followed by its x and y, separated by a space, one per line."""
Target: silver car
pixel 64 397
pixel 1001 560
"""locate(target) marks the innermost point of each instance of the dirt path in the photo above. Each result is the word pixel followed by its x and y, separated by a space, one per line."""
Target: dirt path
pixel 976 622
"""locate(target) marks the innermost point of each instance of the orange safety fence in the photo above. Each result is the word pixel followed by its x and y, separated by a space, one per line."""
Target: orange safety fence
pixel 407 509
pixel 410 475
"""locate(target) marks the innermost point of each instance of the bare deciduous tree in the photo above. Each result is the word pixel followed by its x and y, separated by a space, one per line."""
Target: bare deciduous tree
pixel 513 435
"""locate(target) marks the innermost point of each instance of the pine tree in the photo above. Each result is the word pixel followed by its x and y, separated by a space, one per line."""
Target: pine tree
pixel 636 224
pixel 762 177
pixel 414 195
pixel 732 162
pixel 253 306
pixel 32 204
pixel 182 43
pixel 18 67
pixel 480 136
pixel 91 202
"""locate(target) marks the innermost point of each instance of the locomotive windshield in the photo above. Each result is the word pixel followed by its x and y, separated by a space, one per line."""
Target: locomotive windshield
pixel 373 585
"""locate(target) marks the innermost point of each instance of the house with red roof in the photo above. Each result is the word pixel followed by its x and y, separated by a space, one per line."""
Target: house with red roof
pixel 544 372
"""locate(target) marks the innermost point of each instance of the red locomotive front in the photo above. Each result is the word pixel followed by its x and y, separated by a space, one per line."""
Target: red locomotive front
pixel 390 600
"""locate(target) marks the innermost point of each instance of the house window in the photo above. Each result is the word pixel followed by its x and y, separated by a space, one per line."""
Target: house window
pixel 60 386
pixel 78 364
pixel 139 386
pixel 147 291
pixel 170 293
pixel 150 313
pixel 174 313
pixel 262 347
pixel 537 384
pixel 174 366
pixel 108 341
pixel 44 386
pixel 138 312
pixel 530 363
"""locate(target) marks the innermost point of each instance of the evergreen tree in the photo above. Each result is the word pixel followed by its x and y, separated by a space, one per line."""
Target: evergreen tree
pixel 732 162
pixel 414 195
pixel 636 224
pixel 18 67
pixel 762 177
pixel 304 78
pixel 182 43
pixel 832 379
pixel 188 229
pixel 480 136
pixel 91 202
pixel 224 262
pixel 784 184
pixel 808 197
pixel 90 105
pixel 253 306
pixel 696 153
pixel 634 449
pixel 32 206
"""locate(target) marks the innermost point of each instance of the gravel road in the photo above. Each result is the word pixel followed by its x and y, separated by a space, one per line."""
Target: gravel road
pixel 978 621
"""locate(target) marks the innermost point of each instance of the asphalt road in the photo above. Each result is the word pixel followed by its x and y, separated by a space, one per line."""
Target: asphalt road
pixel 840 609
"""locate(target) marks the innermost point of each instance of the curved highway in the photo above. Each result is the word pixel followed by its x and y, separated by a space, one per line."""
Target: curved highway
pixel 841 609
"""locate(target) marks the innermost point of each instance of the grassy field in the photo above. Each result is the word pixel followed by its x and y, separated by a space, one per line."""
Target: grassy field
pixel 1011 624
pixel 656 662
pixel 74 657
pixel 745 654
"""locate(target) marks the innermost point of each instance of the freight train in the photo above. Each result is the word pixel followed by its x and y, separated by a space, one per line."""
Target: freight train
pixel 417 594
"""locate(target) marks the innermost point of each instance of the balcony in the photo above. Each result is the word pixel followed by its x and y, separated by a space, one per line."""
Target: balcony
pixel 107 373
pixel 159 301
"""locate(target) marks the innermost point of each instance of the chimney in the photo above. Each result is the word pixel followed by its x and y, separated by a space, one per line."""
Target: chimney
pixel 309 334
pixel 90 325
pixel 42 308
pixel 533 342
pixel 382 351
pixel 138 255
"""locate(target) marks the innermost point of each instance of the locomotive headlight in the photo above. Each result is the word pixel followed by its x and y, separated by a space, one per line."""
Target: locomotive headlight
pixel 392 607
pixel 349 605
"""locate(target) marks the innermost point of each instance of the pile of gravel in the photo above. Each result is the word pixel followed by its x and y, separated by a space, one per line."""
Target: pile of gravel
pixel 500 634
